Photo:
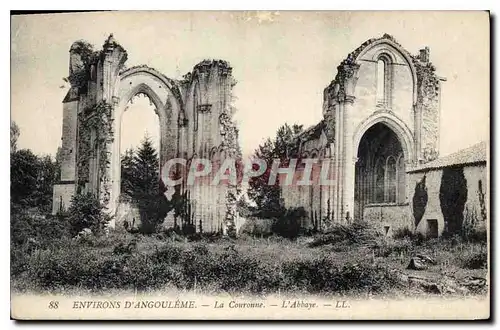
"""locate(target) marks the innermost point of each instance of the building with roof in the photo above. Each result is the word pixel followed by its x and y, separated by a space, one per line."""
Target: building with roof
pixel 450 193
pixel 379 136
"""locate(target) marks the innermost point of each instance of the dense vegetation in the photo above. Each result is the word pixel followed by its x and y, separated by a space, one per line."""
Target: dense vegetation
pixel 74 251
pixel 141 186
pixel 351 259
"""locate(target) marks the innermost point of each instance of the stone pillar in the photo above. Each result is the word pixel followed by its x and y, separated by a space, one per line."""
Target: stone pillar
pixel 347 77
pixel 114 169
pixel 337 153
pixel 66 188
pixel 348 163
pixel 330 191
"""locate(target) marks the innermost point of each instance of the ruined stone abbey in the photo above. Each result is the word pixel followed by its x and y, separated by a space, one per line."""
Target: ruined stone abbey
pixel 380 133
pixel 195 121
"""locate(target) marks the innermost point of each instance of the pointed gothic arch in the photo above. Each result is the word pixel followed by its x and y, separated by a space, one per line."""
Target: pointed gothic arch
pixel 380 169
pixel 162 93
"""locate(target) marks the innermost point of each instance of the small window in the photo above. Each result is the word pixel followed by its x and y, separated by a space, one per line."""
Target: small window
pixel 381 80
pixel 384 78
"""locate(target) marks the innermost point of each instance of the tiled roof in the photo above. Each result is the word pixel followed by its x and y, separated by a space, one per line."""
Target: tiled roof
pixel 472 155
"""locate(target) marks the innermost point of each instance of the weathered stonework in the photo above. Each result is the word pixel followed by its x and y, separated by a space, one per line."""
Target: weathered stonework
pixel 428 89
pixel 475 179
pixel 195 117
pixel 409 109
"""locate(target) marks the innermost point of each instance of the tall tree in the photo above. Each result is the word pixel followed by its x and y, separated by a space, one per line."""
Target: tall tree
pixel 146 169
pixel 32 179
pixel 267 197
pixel 23 177
pixel 127 173
pixel 14 135
pixel 143 184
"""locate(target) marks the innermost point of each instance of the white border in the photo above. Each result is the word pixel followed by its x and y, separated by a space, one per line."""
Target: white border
pixel 202 5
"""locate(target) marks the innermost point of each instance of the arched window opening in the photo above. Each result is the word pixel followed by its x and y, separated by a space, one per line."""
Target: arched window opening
pixel 381 80
pixel 380 176
pixel 401 180
pixel 139 149
pixel 378 182
pixel 384 78
pixel 390 183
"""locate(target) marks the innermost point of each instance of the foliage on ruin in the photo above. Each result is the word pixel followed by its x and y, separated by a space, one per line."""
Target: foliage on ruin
pixel 96 135
pixel 229 134
pixel 80 75
pixel 420 198
pixel 428 99
pixel 482 200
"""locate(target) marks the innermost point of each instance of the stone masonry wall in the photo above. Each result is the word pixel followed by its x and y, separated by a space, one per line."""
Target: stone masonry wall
pixel 433 209
pixel 69 146
pixel 61 196
pixel 387 218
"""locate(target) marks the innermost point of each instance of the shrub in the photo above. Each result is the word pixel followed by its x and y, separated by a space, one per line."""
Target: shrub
pixel 18 259
pixel 125 261
pixel 125 249
pixel 86 211
pixel 197 264
pixel 324 274
pixel 288 225
pixel 476 260
pixel 402 233
pixel 30 226
pixel 477 235
pixel 386 248
pixel 257 227
pixel 357 232
pixel 21 228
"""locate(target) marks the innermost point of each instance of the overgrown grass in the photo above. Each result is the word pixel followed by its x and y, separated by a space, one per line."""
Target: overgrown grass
pixel 349 259
pixel 145 263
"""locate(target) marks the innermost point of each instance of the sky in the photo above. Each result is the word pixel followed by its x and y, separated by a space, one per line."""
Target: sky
pixel 281 60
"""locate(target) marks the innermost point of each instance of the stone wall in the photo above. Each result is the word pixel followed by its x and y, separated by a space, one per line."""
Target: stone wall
pixel 401 87
pixel 410 108
pixel 100 79
pixel 426 203
pixel 387 218
pixel 477 194
pixel 61 196
pixel 69 146
pixel 428 103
